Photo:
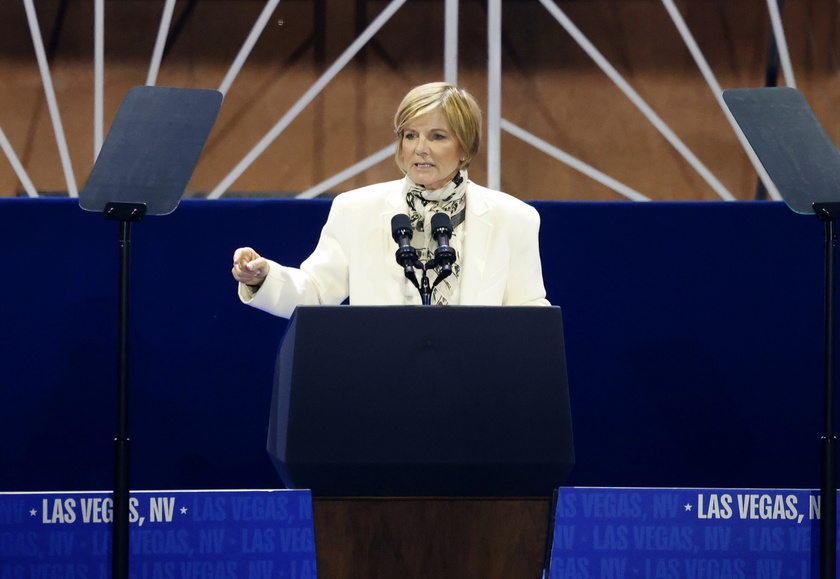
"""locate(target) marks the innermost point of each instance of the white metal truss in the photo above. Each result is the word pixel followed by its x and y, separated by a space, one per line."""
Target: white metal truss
pixel 307 97
pixel 160 42
pixel 52 103
pixel 700 60
pixel 496 123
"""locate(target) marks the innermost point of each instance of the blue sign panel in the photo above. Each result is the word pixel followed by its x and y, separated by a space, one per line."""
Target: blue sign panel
pixel 649 533
pixel 173 535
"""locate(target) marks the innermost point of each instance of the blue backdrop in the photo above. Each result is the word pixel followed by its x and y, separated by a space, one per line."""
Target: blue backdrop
pixel 693 333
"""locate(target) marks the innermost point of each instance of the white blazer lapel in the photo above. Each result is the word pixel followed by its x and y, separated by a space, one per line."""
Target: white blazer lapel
pixel 393 275
pixel 478 231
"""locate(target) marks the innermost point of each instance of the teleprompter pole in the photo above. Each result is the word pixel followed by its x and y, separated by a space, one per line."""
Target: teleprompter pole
pixel 828 213
pixel 125 213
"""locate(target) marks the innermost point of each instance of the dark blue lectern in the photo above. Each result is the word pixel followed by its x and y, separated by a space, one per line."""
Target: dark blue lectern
pixel 422 401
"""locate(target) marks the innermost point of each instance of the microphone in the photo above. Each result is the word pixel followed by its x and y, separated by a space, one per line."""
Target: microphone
pixel 442 232
pixel 406 255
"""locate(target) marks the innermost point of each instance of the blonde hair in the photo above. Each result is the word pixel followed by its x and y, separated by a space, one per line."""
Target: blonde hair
pixel 458 107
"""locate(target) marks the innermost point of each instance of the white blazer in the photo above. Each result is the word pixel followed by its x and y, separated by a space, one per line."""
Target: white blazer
pixel 355 256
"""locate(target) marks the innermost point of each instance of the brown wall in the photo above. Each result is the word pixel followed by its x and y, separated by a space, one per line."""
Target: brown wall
pixel 551 88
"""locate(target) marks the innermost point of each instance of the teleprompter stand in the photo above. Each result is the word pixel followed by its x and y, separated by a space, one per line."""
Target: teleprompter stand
pixel 143 169
pixel 434 437
pixel 805 166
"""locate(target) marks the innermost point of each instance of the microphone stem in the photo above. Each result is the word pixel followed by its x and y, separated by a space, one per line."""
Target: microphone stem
pixel 425 290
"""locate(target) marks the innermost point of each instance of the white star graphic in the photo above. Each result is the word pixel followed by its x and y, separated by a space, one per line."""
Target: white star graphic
pixel 183 510
pixel 688 506
pixel 33 512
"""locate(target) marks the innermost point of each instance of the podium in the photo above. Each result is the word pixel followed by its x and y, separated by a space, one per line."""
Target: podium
pixel 432 438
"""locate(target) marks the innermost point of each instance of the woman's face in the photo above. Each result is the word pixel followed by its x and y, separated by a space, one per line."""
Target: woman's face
pixel 430 152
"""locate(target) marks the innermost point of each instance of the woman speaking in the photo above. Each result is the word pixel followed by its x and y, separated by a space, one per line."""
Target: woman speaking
pixel 494 235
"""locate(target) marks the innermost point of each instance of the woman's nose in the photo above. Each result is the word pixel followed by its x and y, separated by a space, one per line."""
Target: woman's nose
pixel 420 146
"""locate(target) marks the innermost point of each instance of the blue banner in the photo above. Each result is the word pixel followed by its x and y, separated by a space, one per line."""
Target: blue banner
pixel 649 533
pixel 173 535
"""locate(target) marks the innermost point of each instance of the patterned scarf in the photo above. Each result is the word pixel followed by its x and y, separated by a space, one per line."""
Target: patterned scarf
pixel 422 205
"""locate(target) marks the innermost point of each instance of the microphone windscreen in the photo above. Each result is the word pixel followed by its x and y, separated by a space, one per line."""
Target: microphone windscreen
pixel 441 221
pixel 401 225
